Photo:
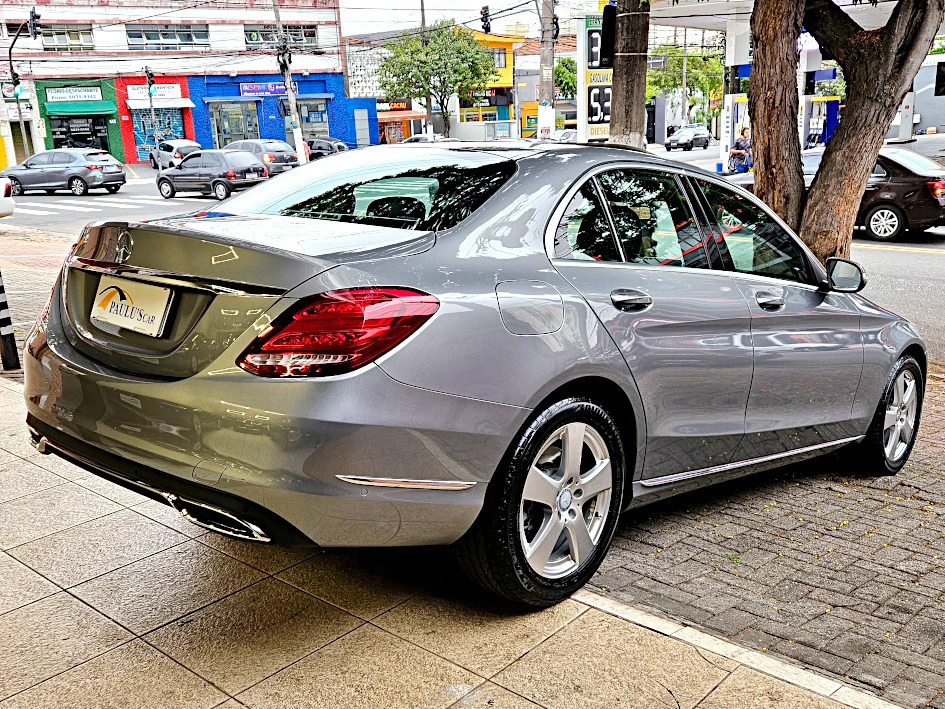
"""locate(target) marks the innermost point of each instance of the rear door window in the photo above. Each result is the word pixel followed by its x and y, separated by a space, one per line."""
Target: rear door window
pixel 584 232
pixel 62 158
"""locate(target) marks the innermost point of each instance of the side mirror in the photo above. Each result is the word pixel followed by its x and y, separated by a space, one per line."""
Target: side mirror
pixel 845 276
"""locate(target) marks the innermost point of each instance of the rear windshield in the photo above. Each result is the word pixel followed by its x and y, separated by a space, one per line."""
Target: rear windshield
pixel 433 190
pixel 187 149
pixel 278 145
pixel 238 158
pixel 98 156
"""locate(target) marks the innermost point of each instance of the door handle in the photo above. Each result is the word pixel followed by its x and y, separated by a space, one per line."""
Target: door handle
pixel 769 301
pixel 629 299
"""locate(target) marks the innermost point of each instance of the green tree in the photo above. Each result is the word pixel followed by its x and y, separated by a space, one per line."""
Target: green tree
pixel 566 77
pixel 450 63
pixel 704 74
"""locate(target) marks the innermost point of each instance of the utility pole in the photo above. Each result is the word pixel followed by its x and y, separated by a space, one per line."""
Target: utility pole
pixel 428 100
pixel 546 90
pixel 285 61
pixel 152 89
pixel 17 90
pixel 685 89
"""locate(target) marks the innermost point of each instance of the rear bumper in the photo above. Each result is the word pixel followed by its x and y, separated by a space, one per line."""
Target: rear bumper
pixel 316 456
pixel 276 168
pixel 97 178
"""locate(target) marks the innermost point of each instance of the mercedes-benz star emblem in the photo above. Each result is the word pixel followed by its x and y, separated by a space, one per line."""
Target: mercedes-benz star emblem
pixel 125 245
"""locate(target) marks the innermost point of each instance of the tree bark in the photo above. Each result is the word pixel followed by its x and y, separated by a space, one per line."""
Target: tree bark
pixel 879 66
pixel 628 97
pixel 773 107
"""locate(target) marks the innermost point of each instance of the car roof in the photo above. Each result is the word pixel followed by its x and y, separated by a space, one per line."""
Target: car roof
pixel 181 140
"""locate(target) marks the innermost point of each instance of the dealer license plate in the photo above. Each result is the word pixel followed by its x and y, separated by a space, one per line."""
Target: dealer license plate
pixel 131 305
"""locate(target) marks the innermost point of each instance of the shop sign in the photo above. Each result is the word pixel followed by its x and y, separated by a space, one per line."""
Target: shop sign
pixel 400 104
pixel 140 91
pixel 14 116
pixel 73 93
pixel 7 90
pixel 272 88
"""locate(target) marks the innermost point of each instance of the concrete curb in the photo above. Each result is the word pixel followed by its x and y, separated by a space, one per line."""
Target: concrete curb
pixel 799 677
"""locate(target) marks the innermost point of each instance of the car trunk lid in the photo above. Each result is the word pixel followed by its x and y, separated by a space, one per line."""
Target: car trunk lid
pixel 166 298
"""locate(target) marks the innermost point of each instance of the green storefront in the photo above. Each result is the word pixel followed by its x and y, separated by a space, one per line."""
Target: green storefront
pixel 80 113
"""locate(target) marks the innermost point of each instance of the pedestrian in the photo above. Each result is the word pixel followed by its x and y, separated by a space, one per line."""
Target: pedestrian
pixel 740 160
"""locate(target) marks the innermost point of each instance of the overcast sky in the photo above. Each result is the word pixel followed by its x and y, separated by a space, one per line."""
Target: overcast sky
pixel 363 16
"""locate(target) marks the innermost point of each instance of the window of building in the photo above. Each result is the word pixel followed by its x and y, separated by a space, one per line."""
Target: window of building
pixel 264 36
pixel 167 38
pixel 67 38
pixel 498 56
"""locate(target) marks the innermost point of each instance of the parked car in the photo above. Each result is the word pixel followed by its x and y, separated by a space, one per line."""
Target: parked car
pixel 170 152
pixel 424 138
pixel 566 135
pixel 216 172
pixel 499 348
pixel 321 147
pixel 688 138
pixel 905 191
pixel 6 198
pixel 277 155
pixel 75 169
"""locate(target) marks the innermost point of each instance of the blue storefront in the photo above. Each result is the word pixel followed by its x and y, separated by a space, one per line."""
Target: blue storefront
pixel 254 105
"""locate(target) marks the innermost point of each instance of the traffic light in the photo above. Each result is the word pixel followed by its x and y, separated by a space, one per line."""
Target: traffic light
pixel 33 26
pixel 152 87
pixel 486 21
pixel 17 89
pixel 555 27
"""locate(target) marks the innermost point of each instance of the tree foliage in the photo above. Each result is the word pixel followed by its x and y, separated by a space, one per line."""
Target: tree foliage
pixel 704 73
pixel 566 77
pixel 451 63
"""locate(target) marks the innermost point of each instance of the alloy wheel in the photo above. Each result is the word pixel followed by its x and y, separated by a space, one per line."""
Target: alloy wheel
pixel 77 186
pixel 16 189
pixel 899 422
pixel 566 500
pixel 884 223
pixel 220 191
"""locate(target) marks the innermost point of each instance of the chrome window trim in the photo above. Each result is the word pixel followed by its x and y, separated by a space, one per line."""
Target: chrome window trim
pixel 678 477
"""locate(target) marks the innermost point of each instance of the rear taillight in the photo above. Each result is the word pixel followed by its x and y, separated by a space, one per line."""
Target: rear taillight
pixel 178 155
pixel 230 174
pixel 938 188
pixel 265 171
pixel 94 167
pixel 268 157
pixel 337 332
pixel 8 190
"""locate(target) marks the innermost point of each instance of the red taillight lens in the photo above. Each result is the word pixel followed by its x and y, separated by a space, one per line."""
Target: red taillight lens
pixel 268 157
pixel 8 190
pixel 178 155
pixel 338 332
pixel 94 167
pixel 231 174
pixel 938 188
pixel 265 171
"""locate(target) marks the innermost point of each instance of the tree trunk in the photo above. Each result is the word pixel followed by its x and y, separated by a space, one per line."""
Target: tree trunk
pixel 879 66
pixel 773 106
pixel 628 97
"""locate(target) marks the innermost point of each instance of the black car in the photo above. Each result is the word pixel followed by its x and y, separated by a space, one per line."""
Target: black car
pixel 277 155
pixel 216 172
pixel 688 138
pixel 905 191
pixel 320 147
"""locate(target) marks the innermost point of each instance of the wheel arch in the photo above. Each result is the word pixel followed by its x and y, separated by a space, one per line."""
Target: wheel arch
pixel 917 351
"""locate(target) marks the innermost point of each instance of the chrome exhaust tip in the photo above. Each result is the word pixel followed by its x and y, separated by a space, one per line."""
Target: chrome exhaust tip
pixel 216 519
pixel 39 442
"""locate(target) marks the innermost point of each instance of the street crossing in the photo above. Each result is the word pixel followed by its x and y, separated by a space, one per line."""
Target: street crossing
pixel 25 207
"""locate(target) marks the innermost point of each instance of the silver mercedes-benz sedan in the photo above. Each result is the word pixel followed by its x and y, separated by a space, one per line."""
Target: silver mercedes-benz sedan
pixel 496 347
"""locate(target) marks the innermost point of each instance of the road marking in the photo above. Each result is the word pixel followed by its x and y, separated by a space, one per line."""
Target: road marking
pixel 116 204
pixel 911 249
pixel 135 174
pixel 34 212
pixel 57 205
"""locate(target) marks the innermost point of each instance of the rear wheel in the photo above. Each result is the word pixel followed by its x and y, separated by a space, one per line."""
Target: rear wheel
pixel 891 436
pixel 16 187
pixel 885 222
pixel 551 510
pixel 78 186
pixel 221 190
pixel 166 188
pixel 154 163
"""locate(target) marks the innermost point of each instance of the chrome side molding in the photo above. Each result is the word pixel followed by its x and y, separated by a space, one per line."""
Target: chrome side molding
pixel 406 484
pixel 677 477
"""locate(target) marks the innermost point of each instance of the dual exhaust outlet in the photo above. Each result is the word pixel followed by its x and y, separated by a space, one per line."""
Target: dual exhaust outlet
pixel 203 515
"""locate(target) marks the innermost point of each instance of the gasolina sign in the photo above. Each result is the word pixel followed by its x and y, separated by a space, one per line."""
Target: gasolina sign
pixel 594 84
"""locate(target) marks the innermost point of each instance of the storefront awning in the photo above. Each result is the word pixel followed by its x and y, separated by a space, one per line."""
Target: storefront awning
pixel 139 103
pixel 390 116
pixel 80 108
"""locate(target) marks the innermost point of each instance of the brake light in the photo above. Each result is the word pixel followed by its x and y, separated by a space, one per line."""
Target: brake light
pixel 268 157
pixel 265 171
pixel 938 188
pixel 178 155
pixel 8 190
pixel 338 332
pixel 231 174
pixel 90 166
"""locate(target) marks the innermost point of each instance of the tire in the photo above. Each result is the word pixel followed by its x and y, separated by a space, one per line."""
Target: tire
pixel 16 187
pixel 112 189
pixel 166 188
pixel 706 146
pixel 495 551
pixel 221 191
pixel 885 222
pixel 669 150
pixel 687 149
pixel 78 186
pixel 154 163
pixel 885 449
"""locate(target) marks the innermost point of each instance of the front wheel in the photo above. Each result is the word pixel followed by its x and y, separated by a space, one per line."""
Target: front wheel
pixel 154 163
pixel 885 222
pixel 552 508
pixel 78 187
pixel 221 191
pixel 166 189
pixel 16 187
pixel 892 433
